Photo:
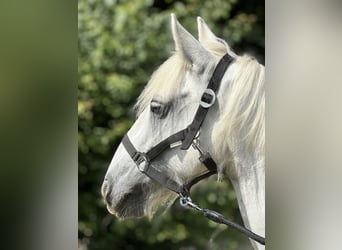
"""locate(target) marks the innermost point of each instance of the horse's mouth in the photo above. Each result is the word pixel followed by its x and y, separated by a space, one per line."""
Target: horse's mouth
pixel 130 205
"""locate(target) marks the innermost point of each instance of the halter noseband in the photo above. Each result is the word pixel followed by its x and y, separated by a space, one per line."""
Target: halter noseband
pixel 186 138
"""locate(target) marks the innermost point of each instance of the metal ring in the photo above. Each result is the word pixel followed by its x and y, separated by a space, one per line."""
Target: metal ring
pixel 184 201
pixel 213 98
pixel 143 163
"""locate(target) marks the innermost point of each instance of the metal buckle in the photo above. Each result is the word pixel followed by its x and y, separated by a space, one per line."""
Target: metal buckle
pixel 142 162
pixel 184 200
pixel 196 143
pixel 213 98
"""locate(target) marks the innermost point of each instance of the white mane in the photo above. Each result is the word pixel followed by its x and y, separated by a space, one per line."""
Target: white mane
pixel 244 110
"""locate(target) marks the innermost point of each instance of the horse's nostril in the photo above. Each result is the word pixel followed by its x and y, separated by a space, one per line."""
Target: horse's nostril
pixel 106 192
pixel 105 187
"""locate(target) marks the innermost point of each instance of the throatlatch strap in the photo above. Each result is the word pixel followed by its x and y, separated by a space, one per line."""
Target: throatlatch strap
pixel 213 85
pixel 187 186
pixel 208 161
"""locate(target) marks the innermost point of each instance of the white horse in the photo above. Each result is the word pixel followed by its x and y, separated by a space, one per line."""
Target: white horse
pixel 233 130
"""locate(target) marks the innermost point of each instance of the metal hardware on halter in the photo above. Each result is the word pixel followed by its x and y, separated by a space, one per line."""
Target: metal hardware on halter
pixel 186 201
pixel 195 145
pixel 183 200
pixel 175 144
pixel 141 161
pixel 212 96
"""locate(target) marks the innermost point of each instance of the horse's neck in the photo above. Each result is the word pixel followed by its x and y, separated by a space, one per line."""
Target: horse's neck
pixel 250 191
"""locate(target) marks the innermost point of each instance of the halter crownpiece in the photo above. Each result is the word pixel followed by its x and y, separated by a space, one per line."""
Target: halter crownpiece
pixel 185 138
pixel 206 102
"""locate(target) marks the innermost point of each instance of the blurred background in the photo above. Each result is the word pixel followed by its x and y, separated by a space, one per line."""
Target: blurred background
pixel 120 44
pixel 40 47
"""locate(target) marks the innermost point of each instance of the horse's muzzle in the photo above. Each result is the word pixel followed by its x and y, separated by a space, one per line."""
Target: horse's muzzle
pixel 129 205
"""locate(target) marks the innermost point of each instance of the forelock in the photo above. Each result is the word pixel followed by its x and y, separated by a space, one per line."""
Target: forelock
pixel 164 82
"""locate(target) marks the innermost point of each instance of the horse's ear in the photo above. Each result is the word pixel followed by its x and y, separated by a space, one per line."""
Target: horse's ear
pixel 204 32
pixel 209 41
pixel 186 44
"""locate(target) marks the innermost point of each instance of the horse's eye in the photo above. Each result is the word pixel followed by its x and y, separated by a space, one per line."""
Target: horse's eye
pixel 159 109
pixel 156 108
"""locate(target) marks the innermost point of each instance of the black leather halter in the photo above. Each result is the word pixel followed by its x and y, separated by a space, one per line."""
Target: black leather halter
pixel 185 138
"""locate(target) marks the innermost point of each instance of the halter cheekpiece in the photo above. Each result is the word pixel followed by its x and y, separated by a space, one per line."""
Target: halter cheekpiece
pixel 185 138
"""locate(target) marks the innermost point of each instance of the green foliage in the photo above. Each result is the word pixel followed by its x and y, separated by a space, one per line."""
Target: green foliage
pixel 120 44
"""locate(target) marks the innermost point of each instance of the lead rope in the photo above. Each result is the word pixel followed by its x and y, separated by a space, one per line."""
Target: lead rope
pixel 219 218
pixel 185 200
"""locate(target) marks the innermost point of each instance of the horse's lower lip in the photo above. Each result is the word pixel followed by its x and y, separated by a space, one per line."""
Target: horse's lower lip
pixel 117 211
pixel 112 211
